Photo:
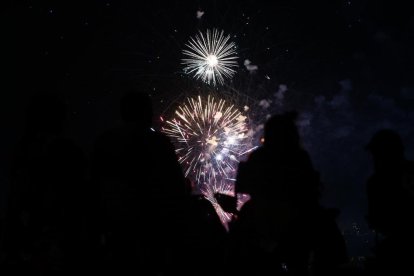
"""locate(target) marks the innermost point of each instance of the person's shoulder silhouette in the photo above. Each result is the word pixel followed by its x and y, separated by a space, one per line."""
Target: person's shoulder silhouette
pixel 387 149
pixel 281 159
pixel 134 157
pixel 390 187
pixel 390 194
pixel 284 188
pixel 141 185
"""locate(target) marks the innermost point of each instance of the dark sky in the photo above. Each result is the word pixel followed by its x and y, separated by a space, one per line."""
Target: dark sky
pixel 347 65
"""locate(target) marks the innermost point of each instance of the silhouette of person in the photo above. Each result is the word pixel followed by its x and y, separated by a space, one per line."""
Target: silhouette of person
pixel 45 227
pixel 275 230
pixel 390 193
pixel 142 191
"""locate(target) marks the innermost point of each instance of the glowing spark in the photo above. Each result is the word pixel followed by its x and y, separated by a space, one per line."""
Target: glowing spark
pixel 231 140
pixel 210 57
pixel 210 137
pixel 212 60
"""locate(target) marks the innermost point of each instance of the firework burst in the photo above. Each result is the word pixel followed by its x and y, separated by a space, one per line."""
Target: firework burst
pixel 224 188
pixel 210 57
pixel 210 138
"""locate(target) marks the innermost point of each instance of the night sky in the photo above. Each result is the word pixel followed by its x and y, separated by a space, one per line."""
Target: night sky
pixel 348 67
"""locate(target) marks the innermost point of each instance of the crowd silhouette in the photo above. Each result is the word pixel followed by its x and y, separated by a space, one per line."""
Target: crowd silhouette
pixel 129 210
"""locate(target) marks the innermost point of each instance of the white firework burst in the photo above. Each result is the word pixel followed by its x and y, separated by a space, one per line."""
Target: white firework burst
pixel 210 138
pixel 210 57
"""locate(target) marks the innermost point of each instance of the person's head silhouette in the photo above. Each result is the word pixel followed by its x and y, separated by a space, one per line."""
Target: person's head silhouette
pixel 386 147
pixel 137 108
pixel 280 131
pixel 46 113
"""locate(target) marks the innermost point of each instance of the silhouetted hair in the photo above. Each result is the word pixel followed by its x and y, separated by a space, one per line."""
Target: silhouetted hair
pixel 386 142
pixel 136 108
pixel 281 129
pixel 45 113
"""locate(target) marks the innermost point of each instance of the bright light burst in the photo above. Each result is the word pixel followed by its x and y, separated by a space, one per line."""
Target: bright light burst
pixel 210 57
pixel 210 138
